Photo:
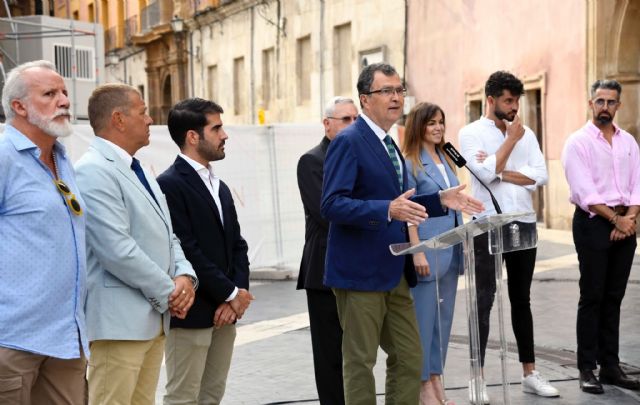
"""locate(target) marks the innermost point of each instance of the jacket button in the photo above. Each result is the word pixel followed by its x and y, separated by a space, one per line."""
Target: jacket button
pixel 404 229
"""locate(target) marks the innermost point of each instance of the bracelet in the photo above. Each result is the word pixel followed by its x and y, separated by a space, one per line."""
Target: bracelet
pixel 614 219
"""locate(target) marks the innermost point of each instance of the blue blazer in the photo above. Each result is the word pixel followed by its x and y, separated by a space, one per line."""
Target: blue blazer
pixel 428 181
pixel 358 186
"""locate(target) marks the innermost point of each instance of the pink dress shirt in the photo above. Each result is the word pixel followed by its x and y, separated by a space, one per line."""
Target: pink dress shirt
pixel 599 173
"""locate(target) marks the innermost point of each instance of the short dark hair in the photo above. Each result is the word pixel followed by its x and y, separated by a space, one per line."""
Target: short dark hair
pixel 500 81
pixel 606 84
pixel 190 114
pixel 366 75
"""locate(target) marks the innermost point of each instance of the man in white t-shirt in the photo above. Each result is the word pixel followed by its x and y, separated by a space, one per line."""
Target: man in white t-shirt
pixel 506 156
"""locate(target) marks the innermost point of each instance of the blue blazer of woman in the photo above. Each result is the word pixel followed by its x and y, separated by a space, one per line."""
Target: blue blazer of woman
pixel 427 181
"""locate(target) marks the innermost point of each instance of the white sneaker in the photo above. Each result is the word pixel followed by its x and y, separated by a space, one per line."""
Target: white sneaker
pixel 484 396
pixel 535 384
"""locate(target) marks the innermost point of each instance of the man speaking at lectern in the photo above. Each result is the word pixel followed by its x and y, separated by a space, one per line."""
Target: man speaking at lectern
pixel 367 206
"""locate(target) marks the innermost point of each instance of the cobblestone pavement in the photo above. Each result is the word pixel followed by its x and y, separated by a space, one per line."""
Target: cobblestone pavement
pixel 272 362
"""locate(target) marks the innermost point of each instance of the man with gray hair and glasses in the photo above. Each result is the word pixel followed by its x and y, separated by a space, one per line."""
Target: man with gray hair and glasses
pixel 326 333
pixel 43 342
pixel 602 165
pixel 365 200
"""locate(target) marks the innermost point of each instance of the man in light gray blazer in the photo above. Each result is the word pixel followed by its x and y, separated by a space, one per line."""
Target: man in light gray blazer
pixel 137 273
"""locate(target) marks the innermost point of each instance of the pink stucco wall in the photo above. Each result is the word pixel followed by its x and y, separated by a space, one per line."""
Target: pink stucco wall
pixel 454 45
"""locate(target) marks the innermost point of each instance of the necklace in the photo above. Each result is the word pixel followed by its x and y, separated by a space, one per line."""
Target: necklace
pixel 55 168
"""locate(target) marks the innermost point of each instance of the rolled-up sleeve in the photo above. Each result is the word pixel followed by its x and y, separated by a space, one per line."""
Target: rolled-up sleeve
pixel 583 191
pixel 470 144
pixel 536 168
pixel 634 154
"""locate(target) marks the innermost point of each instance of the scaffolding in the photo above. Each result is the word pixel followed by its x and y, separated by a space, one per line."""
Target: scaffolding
pixel 41 31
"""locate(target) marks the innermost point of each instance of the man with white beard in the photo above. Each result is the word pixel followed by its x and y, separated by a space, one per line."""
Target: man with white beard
pixel 43 344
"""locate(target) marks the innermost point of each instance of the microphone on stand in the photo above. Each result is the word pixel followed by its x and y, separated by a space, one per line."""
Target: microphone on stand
pixel 459 161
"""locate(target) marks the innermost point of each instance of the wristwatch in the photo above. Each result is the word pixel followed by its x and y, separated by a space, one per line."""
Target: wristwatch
pixel 499 176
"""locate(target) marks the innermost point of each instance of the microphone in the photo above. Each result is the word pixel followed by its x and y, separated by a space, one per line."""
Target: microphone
pixel 459 161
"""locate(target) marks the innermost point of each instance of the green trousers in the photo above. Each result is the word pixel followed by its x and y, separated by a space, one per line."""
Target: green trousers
pixel 372 319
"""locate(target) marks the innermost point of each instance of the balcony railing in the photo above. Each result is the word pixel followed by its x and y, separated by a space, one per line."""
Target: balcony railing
pixel 130 29
pixel 110 39
pixel 150 16
pixel 114 38
pixel 157 13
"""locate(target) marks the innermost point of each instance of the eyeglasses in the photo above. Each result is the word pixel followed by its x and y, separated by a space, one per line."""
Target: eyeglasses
pixel 389 91
pixel 69 197
pixel 347 119
pixel 600 102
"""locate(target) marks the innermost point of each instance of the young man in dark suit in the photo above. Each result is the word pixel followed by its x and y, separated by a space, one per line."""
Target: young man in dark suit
pixel 365 201
pixel 198 348
pixel 326 333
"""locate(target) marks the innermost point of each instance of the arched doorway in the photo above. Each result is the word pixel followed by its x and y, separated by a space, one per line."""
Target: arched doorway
pixel 627 57
pixel 166 100
pixel 614 53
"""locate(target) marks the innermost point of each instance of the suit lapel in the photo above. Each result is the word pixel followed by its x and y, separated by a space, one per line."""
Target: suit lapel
pixel 195 181
pixel 226 201
pixel 432 170
pixel 381 152
pixel 109 154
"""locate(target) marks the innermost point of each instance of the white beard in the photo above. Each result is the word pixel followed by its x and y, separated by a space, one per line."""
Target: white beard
pixel 48 125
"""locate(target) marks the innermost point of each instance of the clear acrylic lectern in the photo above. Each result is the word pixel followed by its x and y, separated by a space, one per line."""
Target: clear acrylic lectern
pixel 505 233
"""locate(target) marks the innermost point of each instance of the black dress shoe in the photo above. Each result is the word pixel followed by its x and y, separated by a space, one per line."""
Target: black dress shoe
pixel 615 376
pixel 589 383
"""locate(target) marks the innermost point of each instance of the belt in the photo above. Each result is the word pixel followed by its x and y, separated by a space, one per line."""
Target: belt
pixel 620 209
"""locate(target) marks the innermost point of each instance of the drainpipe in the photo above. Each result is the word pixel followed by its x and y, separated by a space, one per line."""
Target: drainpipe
pixel 322 46
pixel 201 54
pixel 191 62
pixel 252 93
pixel 406 34
pixel 74 108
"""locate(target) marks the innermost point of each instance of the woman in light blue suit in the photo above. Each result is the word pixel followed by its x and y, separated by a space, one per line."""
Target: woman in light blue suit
pixel 429 171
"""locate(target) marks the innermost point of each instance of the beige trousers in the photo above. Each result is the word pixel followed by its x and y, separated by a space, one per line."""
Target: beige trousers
pixel 124 372
pixel 198 362
pixel 28 378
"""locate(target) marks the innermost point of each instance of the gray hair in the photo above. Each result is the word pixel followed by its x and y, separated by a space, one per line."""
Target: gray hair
pixel 16 88
pixel 330 107
pixel 607 85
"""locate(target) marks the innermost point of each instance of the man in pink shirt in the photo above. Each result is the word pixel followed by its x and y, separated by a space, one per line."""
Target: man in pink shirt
pixel 602 166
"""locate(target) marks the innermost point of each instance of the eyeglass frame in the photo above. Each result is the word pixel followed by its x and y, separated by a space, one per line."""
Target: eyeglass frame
pixel 350 118
pixel 389 91
pixel 600 103
pixel 69 198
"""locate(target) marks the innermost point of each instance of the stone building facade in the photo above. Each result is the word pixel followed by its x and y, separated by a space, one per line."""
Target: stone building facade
pixel 557 48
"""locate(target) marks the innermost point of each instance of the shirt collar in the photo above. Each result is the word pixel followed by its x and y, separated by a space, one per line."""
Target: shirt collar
pixel 123 154
pixel 21 142
pixel 380 133
pixel 197 166
pixel 594 131
pixel 487 121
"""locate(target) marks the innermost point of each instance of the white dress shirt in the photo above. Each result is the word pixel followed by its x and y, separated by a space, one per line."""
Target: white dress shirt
pixel 381 134
pixel 526 158
pixel 123 154
pixel 210 180
pixel 212 183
